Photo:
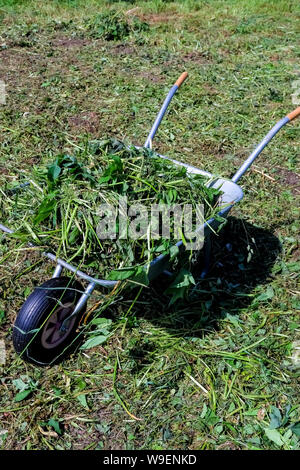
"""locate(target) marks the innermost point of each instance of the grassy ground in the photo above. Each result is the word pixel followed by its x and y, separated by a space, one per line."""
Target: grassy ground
pixel 217 371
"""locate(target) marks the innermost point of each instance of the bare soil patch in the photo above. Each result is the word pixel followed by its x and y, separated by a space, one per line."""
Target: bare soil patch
pixel 197 57
pixel 289 178
pixel 122 49
pixel 66 42
pixel 87 121
pixel 153 76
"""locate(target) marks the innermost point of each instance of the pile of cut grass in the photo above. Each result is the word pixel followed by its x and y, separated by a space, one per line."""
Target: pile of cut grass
pixel 62 207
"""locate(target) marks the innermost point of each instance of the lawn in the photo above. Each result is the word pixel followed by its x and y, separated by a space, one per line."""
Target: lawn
pixel 219 369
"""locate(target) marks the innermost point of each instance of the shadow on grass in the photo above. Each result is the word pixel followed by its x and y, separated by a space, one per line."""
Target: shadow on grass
pixel 242 258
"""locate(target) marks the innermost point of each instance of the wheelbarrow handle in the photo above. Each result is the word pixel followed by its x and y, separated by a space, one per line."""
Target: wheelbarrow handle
pixel 163 109
pixel 294 114
pixel 181 79
pixel 246 165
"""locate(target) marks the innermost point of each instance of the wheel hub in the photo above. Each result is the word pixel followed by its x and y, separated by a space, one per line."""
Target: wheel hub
pixel 53 334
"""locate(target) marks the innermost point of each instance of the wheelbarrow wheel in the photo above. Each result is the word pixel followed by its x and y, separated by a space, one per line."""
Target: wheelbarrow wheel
pixel 37 334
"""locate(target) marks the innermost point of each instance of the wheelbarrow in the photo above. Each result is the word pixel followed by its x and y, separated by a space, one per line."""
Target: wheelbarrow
pixel 47 323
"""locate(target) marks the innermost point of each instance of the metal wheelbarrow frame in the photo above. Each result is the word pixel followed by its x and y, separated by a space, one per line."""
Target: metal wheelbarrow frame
pixel 72 309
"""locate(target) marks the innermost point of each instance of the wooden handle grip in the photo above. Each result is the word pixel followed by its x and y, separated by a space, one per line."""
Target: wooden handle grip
pixel 181 79
pixel 294 114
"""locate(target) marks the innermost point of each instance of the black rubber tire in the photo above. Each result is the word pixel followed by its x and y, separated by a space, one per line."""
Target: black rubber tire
pixel 34 314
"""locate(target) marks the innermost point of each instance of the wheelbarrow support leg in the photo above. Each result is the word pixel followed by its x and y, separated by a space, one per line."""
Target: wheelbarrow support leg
pixel 57 271
pixel 80 304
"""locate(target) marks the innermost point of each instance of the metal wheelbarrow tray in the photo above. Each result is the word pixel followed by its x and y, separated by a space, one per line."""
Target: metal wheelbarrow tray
pixel 46 326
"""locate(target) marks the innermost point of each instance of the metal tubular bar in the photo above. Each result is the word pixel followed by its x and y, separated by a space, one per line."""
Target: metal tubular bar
pixel 5 229
pixel 259 149
pixel 81 303
pixel 163 109
pixel 64 264
pixel 84 298
pixel 160 115
pixel 81 274
pixel 57 271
